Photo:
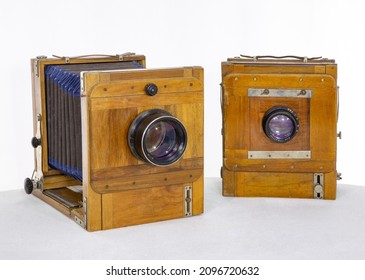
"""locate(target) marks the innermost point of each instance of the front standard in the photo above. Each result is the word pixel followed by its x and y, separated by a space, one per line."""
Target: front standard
pixel 117 144
pixel 279 127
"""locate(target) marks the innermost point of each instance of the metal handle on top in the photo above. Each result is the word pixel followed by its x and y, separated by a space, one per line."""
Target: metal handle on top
pixel 303 58
pixel 120 56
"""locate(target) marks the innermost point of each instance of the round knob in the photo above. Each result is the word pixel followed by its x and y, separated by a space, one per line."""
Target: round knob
pixel 151 89
pixel 36 142
pixel 28 186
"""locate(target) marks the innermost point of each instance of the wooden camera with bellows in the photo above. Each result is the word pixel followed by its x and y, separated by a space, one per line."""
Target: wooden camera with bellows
pixel 117 144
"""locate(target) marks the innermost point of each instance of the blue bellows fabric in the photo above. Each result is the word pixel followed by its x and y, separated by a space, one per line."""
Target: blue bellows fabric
pixel 63 104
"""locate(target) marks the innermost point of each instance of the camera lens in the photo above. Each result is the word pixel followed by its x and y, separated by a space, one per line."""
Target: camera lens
pixel 280 124
pixel 157 137
pixel 160 139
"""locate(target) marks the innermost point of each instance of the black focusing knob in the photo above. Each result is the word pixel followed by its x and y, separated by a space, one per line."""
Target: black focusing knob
pixel 151 89
pixel 28 186
pixel 36 142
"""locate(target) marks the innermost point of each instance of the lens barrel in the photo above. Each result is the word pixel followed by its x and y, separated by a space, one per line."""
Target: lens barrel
pixel 280 124
pixel 157 137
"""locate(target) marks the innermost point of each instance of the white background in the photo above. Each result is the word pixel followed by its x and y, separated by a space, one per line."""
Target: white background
pixel 179 33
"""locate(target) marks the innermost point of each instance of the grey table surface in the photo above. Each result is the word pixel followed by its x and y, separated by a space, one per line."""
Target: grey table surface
pixel 230 228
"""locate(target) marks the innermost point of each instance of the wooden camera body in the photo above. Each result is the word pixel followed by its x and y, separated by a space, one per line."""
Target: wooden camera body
pixel 279 127
pixel 126 148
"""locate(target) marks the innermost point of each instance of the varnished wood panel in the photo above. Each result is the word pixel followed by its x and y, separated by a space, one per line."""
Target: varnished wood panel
pixel 192 116
pixel 152 74
pixel 258 184
pixel 286 185
pixel 145 169
pixel 229 182
pixel 57 181
pixel 146 175
pixel 109 138
pixel 138 206
pixel 136 87
pixel 323 124
pixel 146 180
pixel 142 206
pixel 198 196
pixel 235 120
pixel 330 182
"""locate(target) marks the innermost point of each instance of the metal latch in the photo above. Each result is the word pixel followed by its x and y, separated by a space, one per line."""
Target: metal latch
pixel 269 92
pixel 36 181
pixel 38 171
pixel 188 201
pixel 318 182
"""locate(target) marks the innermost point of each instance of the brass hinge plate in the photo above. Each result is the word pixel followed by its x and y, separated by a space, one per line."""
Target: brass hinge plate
pixel 318 186
pixel 80 222
pixel 188 201
pixel 36 64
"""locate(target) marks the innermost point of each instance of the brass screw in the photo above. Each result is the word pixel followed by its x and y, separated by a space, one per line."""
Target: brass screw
pixel 302 92
pixel 265 92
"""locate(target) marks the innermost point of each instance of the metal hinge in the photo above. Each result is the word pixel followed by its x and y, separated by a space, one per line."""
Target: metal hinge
pixel 82 85
pixel 36 62
pixel 188 201
pixel 84 205
pixel 123 55
pixel 80 222
pixel 318 186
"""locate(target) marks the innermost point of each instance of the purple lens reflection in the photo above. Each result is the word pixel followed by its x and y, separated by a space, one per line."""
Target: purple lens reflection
pixel 161 140
pixel 281 127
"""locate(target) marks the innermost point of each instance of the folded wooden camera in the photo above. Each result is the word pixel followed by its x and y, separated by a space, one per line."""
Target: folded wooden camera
pixel 279 127
pixel 117 144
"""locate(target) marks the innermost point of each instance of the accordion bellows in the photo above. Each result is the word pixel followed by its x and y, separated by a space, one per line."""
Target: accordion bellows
pixel 64 113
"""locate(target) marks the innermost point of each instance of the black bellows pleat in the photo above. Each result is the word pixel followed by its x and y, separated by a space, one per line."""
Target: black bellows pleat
pixel 64 113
